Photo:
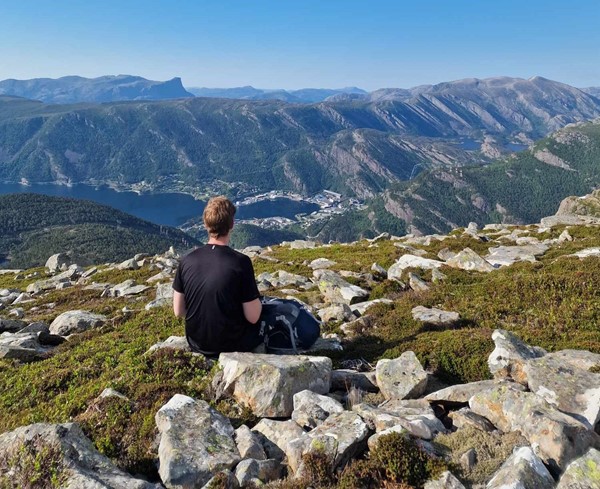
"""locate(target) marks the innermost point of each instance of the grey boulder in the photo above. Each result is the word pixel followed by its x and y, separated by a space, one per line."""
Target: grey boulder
pixel 266 384
pixel 434 316
pixel 311 409
pixel 76 322
pixel 337 290
pixel 401 378
pixel 467 259
pixel 582 473
pixel 523 469
pixel 510 355
pixel 196 442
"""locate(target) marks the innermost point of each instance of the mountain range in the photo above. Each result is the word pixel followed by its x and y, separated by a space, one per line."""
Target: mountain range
pixel 357 147
pixel 72 89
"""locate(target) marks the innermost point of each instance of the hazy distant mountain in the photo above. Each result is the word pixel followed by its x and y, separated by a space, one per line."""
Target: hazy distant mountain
pixel 595 91
pixel 73 89
pixel 304 95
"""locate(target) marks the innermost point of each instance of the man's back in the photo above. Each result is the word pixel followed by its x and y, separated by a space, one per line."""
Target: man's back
pixel 215 281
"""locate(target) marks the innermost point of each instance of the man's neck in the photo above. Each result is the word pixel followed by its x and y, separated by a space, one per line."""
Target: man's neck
pixel 221 241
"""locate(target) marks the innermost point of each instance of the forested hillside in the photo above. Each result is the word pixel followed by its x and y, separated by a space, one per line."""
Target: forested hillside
pixel 33 227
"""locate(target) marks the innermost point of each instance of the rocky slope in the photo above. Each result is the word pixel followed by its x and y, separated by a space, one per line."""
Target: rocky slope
pixel 468 359
pixel 73 89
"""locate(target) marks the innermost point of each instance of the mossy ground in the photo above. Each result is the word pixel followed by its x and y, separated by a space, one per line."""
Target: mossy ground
pixel 554 303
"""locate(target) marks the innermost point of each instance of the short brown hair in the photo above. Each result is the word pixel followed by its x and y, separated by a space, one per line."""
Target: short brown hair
pixel 218 216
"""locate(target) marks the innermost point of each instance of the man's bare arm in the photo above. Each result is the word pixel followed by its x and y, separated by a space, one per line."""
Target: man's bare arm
pixel 179 304
pixel 252 310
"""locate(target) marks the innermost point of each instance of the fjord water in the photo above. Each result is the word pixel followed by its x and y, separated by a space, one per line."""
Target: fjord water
pixel 170 209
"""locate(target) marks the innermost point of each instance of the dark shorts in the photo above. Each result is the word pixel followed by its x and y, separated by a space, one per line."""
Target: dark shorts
pixel 248 342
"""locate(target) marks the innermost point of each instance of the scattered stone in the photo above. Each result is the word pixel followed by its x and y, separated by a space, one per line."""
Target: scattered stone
pixel 564 237
pixel 360 308
pixel 110 392
pixel 300 244
pixel 414 416
pixel 321 264
pixel 275 435
pixel 336 290
pixel 196 442
pixel 248 444
pixel 84 466
pixel 336 312
pixel 502 256
pixel 437 276
pixel 225 479
pixel 582 473
pixel 341 437
pixel 11 325
pixel 249 471
pixel 89 272
pixel 266 384
pixel 435 317
pixel 76 322
pixel 172 342
pixel 458 394
pixel 557 437
pixel 378 271
pixel 401 378
pixel 347 379
pixel 411 261
pixel 467 259
pixel 510 355
pixel 444 481
pixel 130 264
pixel 416 283
pixel 587 253
pixel 523 469
pixel 37 327
pixel 126 288
pixel 58 262
pixel 468 460
pixel 465 417
pixel 311 409
pixel 570 389
pixel 445 254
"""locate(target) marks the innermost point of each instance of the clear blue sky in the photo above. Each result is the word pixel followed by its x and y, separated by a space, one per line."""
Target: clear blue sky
pixel 294 44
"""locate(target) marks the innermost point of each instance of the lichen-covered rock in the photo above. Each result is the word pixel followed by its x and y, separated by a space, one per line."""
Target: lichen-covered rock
pixel 130 264
pixel 416 283
pixel 336 312
pixel 445 481
pixel 344 379
pixel 360 308
pixel 173 343
pixel 401 378
pixel 414 416
pixel 461 393
pixel 249 444
pixel 503 256
pixel 341 437
pixel 75 457
pixel 76 322
pixel 196 442
pixel 411 261
pixel 11 325
pixel 321 264
pixel 467 259
pixel 337 290
pixel 250 470
pixel 58 262
pixel 434 316
pixel 275 435
pixel 311 409
pixel 582 473
pixel 573 390
pixel 510 355
pixel 266 384
pixel 556 437
pixel 523 469
pixel 465 417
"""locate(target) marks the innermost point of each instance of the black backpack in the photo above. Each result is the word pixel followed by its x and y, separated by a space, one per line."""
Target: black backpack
pixel 287 326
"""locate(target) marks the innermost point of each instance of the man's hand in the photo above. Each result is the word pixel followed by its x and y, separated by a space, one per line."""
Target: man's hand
pixel 179 304
pixel 252 310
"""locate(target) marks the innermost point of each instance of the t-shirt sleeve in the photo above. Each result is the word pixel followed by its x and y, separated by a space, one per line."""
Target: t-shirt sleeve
pixel 249 288
pixel 178 282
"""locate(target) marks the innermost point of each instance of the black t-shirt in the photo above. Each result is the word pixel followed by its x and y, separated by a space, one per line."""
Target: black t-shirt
pixel 215 281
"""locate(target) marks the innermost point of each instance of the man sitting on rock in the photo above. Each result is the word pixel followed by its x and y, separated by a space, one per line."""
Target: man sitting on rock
pixel 215 289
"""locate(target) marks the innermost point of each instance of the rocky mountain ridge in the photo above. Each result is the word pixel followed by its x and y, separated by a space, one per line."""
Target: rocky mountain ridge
pixel 421 378
pixel 75 89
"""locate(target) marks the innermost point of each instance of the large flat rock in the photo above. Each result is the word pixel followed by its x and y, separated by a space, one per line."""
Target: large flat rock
pixel 76 322
pixel 402 377
pixel 266 384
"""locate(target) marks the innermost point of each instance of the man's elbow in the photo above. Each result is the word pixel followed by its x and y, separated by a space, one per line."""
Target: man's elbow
pixel 252 311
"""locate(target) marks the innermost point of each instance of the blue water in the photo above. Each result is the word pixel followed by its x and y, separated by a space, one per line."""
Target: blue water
pixel 516 147
pixel 168 209
pixel 469 144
